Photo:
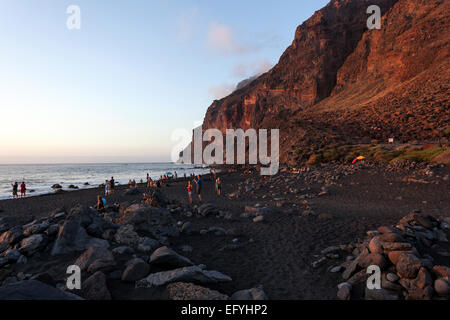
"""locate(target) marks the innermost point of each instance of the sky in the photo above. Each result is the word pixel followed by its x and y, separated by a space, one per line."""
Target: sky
pixel 135 72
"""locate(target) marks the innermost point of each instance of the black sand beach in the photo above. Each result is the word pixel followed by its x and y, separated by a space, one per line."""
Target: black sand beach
pixel 336 205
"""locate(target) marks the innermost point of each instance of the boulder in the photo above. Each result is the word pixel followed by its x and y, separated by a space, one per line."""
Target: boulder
pixel 391 237
pixel 101 265
pixel 207 209
pixel 148 245
pixel 420 288
pixel 394 256
pixel 94 254
pixel 13 236
pixel 135 271
pixel 72 235
pixel 250 294
pixel 188 292
pixel 3 246
pixel 344 291
pixel 441 271
pixel 408 265
pixel 33 290
pixel 123 250
pixel 127 236
pixel 442 286
pixel 186 274
pixel 35 228
pixel 12 255
pixel 373 259
pixel 95 288
pixel 375 245
pixel 168 257
pixel 32 244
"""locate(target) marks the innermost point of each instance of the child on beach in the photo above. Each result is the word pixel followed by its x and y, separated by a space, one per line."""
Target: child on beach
pixel 107 188
pixel 189 189
pixel 23 190
pixel 14 191
pixel 218 186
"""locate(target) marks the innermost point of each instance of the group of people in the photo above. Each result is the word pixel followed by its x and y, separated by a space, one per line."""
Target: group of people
pixel 15 190
pixel 199 184
pixel 110 186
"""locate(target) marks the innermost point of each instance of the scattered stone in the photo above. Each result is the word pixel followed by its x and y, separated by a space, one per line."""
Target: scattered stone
pixel 442 286
pixel 250 294
pixel 189 292
pixel 168 257
pixel 186 274
pixel 344 291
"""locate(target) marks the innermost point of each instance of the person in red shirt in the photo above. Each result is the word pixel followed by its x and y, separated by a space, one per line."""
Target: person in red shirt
pixel 23 190
pixel 189 189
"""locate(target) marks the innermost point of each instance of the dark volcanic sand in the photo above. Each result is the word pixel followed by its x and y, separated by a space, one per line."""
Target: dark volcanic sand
pixel 283 246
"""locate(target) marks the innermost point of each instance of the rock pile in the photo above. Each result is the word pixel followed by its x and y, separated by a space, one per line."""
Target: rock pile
pixel 412 256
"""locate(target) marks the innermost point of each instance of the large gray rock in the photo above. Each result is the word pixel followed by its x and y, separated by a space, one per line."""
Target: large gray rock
pixel 32 244
pixel 167 257
pixel 250 294
pixel 127 236
pixel 186 274
pixel 72 237
pixel 93 254
pixel 33 290
pixel 35 228
pixel 148 245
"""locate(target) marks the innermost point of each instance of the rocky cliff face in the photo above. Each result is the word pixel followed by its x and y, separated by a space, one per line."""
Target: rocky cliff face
pixel 339 82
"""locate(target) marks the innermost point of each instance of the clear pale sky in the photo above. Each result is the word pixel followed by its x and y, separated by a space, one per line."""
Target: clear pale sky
pixel 115 90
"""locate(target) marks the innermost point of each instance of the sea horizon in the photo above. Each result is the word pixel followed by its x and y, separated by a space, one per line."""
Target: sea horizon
pixel 40 178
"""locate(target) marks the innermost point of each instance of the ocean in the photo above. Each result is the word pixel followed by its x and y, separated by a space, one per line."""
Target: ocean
pixel 39 178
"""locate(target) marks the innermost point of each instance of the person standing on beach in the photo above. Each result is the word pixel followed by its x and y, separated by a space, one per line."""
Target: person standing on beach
pixel 15 187
pixel 23 190
pixel 189 190
pixel 218 186
pixel 176 175
pixel 199 183
pixel 113 185
pixel 107 187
